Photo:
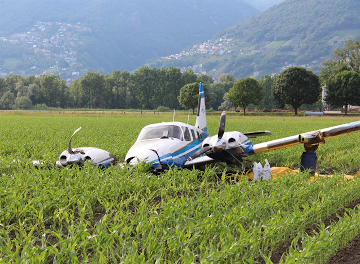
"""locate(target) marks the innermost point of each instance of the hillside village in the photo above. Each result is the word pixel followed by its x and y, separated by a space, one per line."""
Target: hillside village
pixel 220 47
pixel 50 48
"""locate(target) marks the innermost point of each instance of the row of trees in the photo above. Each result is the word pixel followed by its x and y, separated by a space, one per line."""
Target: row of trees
pixel 151 88
pixel 342 76
pixel 146 89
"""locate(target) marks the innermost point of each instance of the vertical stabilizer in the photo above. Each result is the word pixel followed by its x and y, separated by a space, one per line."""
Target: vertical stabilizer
pixel 201 111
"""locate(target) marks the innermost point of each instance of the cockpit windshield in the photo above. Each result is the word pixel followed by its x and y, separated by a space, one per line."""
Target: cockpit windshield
pixel 165 131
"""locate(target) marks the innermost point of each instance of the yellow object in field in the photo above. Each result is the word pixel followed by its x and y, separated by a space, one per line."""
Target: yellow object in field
pixel 277 172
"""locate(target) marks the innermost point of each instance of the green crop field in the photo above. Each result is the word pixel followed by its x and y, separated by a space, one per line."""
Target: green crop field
pixel 133 216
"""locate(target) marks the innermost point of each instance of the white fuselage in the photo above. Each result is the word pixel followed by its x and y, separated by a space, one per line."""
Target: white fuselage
pixel 168 143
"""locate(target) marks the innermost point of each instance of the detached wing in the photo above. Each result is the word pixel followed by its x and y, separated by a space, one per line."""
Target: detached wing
pixel 312 137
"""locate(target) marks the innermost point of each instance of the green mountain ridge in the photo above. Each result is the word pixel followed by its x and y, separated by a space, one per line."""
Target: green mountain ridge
pixel 123 34
pixel 303 33
pixel 262 5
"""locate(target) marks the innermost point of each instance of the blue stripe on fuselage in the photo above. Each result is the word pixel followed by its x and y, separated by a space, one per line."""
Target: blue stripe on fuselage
pixel 179 157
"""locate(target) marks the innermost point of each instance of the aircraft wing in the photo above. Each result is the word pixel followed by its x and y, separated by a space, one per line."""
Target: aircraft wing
pixel 257 134
pixel 312 137
pixel 199 161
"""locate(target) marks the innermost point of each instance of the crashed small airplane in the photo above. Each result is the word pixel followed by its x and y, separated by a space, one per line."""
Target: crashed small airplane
pixel 168 144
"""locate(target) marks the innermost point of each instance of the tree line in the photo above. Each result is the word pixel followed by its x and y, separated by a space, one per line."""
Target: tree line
pixel 169 88
pixel 146 88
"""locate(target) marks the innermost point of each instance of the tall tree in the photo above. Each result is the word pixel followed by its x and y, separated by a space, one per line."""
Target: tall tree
pixel 343 89
pixel 190 77
pixel 188 97
pixel 11 81
pixel 345 59
pixel 7 100
pixel 206 79
pixel 227 80
pixel 91 90
pixel 22 102
pixel 118 82
pixel 245 92
pixel 171 83
pixel 216 93
pixel 50 90
pixel 3 87
pixel 297 86
pixel 266 82
pixel 145 84
pixel 217 90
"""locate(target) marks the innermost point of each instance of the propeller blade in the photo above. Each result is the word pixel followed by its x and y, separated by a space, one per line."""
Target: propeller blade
pixel 231 158
pixel 222 124
pixel 69 148
pixel 199 152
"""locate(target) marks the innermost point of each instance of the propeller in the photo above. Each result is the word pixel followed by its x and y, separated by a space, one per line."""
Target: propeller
pixel 200 152
pixel 72 157
pixel 222 125
pixel 218 147
pixel 232 159
pixel 69 148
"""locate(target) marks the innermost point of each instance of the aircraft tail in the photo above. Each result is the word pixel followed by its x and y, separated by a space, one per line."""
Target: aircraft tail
pixel 201 110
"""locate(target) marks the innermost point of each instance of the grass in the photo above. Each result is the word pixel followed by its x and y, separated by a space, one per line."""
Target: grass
pixel 122 215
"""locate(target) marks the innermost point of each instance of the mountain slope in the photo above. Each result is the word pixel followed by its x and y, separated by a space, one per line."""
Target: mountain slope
pixel 262 5
pixel 121 34
pixel 294 32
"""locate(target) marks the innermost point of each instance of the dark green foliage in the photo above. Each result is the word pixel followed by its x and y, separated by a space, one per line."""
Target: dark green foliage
pixel 341 76
pixel 244 92
pixel 296 86
pixel 146 88
pixel 267 101
pixel 188 97
pixel 23 102
pixel 345 59
pixel 344 89
pixel 7 100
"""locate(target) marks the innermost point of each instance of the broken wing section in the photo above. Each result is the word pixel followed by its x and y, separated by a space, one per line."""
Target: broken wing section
pixel 316 137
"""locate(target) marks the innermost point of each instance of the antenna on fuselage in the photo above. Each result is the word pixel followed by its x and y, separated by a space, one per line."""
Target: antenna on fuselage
pixel 174 116
pixel 188 117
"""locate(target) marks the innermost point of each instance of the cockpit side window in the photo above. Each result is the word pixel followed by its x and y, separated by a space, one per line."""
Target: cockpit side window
pixel 193 134
pixel 187 134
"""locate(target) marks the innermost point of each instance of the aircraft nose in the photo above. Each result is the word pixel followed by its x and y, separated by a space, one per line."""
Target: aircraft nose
pixel 145 156
pixel 73 158
pixel 218 145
